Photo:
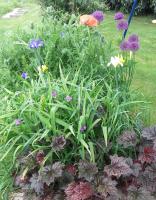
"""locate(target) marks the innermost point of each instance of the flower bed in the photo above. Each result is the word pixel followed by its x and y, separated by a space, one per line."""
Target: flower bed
pixel 70 129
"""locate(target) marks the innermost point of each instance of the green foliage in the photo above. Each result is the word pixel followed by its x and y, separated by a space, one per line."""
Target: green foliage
pixel 74 5
pixel 144 6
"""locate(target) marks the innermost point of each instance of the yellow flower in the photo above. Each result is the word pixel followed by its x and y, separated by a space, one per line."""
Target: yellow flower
pixel 116 61
pixel 43 68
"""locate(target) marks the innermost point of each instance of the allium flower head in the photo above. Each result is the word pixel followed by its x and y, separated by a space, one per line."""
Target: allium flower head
pixel 133 38
pixel 116 61
pixel 124 46
pixel 119 16
pixel 79 191
pixel 83 128
pixel 18 122
pixel 24 75
pixel 122 25
pixel 34 44
pixel 134 46
pixel 54 94
pixel 71 169
pixel 68 98
pixel 88 20
pixel 58 143
pixel 99 16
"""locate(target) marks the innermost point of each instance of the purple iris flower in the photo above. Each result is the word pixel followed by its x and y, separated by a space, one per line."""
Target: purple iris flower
pixel 134 46
pixel 83 128
pixel 24 75
pixel 54 94
pixel 133 38
pixel 122 25
pixel 119 16
pixel 98 15
pixel 125 46
pixel 34 44
pixel 18 122
pixel 68 98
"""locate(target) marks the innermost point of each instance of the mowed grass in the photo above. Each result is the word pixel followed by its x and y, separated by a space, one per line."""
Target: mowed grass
pixel 145 74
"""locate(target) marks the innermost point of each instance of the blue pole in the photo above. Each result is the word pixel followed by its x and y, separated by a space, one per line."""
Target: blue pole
pixel 130 16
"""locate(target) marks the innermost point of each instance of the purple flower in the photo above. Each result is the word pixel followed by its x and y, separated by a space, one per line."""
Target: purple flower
pixel 134 46
pixel 98 15
pixel 18 122
pixel 68 98
pixel 133 38
pixel 119 16
pixel 24 75
pixel 54 94
pixel 124 46
pixel 34 44
pixel 122 25
pixel 83 128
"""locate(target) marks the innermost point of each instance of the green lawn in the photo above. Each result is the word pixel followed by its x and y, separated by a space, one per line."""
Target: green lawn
pixel 145 75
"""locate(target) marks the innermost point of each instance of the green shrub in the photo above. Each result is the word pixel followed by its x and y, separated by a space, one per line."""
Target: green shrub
pixel 74 5
pixel 144 6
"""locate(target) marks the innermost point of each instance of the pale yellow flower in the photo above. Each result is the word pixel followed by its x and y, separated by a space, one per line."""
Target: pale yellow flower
pixel 43 68
pixel 116 61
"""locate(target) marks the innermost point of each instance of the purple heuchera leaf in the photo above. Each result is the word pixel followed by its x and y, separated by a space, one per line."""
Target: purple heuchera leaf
pixel 49 173
pixel 148 155
pixel 79 191
pixel 87 170
pixel 119 16
pixel 127 139
pixel 36 184
pixel 58 143
pixel 149 133
pixel 107 187
pixel 117 167
pixel 135 193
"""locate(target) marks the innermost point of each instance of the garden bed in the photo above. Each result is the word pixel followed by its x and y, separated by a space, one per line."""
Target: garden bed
pixel 70 129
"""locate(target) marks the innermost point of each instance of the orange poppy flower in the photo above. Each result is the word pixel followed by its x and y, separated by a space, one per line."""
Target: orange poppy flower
pixel 88 20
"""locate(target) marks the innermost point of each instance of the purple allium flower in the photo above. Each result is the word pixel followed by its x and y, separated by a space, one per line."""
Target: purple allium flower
pixel 24 75
pixel 124 46
pixel 18 122
pixel 122 25
pixel 133 38
pixel 83 128
pixel 134 46
pixel 34 44
pixel 98 15
pixel 54 94
pixel 119 16
pixel 68 98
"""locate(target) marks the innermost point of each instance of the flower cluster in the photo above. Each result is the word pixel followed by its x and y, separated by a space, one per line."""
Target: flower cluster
pixel 92 20
pixel 132 44
pixel 121 23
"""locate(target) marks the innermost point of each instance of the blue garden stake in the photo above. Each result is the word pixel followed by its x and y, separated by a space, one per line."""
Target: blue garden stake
pixel 130 16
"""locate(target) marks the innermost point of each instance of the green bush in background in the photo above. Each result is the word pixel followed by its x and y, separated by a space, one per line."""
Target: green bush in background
pixel 144 6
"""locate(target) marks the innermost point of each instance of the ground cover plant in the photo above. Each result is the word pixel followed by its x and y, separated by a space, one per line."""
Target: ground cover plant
pixel 67 133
